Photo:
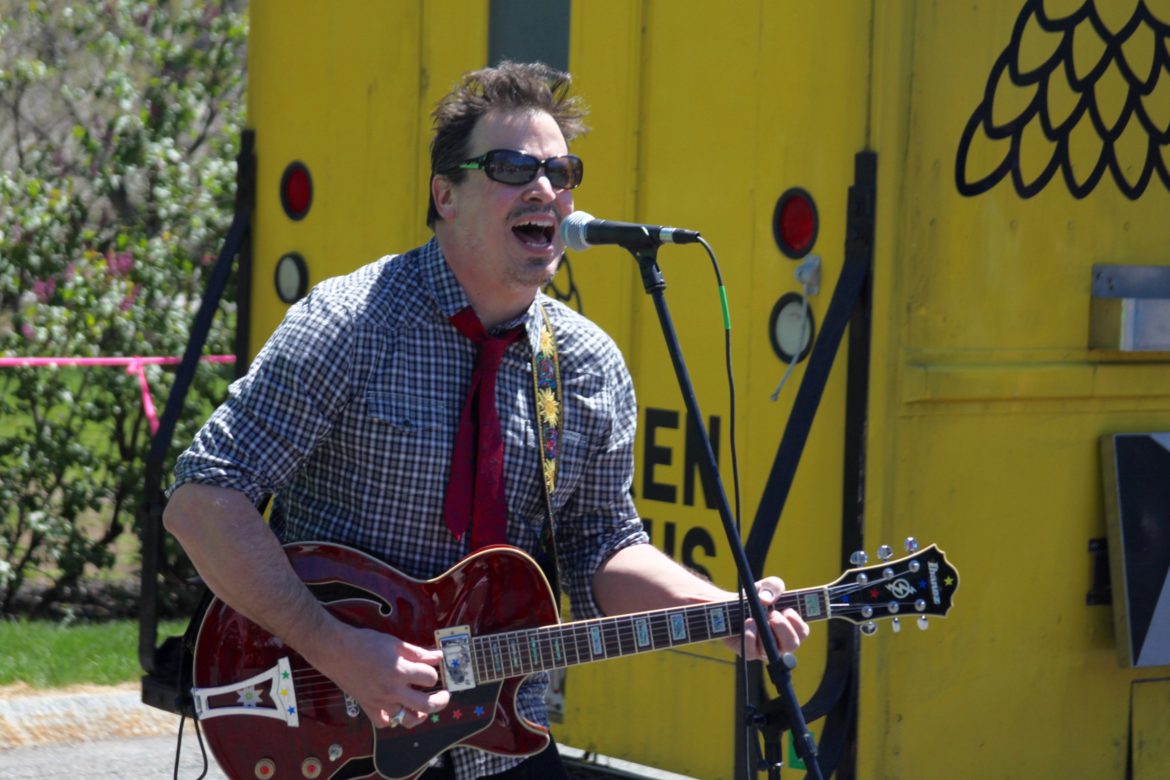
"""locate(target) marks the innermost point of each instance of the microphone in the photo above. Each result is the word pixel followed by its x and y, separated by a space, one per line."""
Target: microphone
pixel 581 230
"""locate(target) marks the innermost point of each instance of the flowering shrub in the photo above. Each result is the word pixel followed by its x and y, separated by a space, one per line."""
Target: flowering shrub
pixel 117 174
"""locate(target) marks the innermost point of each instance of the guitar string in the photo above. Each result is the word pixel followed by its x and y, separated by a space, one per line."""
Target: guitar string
pixel 578 638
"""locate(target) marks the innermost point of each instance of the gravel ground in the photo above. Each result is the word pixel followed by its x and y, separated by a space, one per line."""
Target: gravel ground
pixel 106 733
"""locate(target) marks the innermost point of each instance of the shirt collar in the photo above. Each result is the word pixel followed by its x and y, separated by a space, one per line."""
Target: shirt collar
pixel 448 295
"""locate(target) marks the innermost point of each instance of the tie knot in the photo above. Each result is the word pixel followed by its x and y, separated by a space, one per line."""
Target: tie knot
pixel 467 322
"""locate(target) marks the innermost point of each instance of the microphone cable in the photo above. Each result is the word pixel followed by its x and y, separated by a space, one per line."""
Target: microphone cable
pixel 752 758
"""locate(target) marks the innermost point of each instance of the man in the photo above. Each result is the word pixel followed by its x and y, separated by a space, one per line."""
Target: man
pixel 353 412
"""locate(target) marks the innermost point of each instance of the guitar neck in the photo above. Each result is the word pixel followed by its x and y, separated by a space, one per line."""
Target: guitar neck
pixel 516 653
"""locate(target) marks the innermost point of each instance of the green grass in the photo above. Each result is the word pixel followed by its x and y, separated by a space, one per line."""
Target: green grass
pixel 51 655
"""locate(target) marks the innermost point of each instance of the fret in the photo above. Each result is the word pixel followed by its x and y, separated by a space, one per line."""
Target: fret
pixel 813 604
pixel 677 626
pixel 580 642
pixel 718 621
pixel 609 635
pixel 516 663
pixel 660 630
pixel 480 661
pixel 568 646
pixel 697 630
pixel 643 639
pixel 558 648
pixel 550 648
pixel 624 629
pixel 497 657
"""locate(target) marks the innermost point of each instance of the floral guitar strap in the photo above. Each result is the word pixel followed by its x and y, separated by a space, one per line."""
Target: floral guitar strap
pixel 546 386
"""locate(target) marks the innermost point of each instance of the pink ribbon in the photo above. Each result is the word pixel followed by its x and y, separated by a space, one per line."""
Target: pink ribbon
pixel 135 366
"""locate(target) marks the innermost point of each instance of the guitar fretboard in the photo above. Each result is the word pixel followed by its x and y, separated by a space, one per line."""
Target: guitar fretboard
pixel 516 653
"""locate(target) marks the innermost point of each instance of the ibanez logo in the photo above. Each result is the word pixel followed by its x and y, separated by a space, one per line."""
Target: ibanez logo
pixel 932 567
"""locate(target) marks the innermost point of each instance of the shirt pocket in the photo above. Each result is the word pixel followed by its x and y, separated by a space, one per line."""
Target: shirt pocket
pixel 402 450
pixel 408 412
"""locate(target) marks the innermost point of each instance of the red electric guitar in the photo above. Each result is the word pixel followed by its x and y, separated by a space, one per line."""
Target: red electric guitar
pixel 268 714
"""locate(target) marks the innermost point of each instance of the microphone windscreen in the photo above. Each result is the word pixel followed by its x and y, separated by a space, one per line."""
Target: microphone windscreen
pixel 573 230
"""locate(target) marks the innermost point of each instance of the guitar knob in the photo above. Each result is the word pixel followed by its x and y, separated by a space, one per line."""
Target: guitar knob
pixel 923 623
pixel 911 544
pixel 265 769
pixel 859 558
pixel 335 751
pixel 897 625
pixel 311 767
pixel 885 552
pixel 869 629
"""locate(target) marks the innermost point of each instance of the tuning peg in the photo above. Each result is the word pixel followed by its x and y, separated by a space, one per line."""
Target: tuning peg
pixel 869 629
pixel 911 544
pixel 859 558
pixel 897 625
pixel 923 623
pixel 885 552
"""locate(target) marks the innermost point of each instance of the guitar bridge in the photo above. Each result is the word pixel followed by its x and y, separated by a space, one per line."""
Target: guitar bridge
pixel 458 671
pixel 249 698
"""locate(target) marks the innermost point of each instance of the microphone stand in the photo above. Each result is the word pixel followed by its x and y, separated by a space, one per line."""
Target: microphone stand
pixel 779 666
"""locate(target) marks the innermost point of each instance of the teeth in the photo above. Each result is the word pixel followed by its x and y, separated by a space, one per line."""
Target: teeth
pixel 544 229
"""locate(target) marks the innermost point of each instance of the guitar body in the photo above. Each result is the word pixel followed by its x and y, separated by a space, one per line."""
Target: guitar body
pixel 255 731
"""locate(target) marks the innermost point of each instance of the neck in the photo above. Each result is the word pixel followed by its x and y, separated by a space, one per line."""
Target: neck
pixel 492 311
pixel 494 302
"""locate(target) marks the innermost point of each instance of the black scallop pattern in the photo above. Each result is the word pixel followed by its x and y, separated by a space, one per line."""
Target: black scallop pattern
pixel 1132 43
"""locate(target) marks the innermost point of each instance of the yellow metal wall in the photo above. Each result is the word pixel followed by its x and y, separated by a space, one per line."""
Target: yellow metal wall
pixel 702 120
pixel 985 404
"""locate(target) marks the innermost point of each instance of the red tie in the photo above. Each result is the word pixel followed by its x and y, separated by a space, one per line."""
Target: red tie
pixel 475 489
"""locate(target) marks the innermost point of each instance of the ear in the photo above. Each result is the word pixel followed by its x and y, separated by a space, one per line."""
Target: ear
pixel 443 193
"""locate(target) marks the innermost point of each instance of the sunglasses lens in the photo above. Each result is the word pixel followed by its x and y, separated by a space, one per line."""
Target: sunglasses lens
pixel 511 167
pixel 564 173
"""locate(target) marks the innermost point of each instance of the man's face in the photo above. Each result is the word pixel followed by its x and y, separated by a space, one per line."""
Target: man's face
pixel 505 238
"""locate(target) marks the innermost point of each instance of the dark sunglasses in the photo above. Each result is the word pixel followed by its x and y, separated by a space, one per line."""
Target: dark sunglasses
pixel 508 166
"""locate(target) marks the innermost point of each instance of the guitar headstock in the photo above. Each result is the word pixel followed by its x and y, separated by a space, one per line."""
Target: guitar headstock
pixel 914 587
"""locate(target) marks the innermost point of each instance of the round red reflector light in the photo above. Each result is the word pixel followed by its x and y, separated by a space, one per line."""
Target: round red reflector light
pixel 296 190
pixel 795 223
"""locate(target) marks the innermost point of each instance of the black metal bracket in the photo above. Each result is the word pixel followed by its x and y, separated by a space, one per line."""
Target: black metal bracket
pixel 1101 590
pixel 160 685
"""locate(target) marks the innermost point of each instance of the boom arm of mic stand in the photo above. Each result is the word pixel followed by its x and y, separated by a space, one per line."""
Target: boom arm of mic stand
pixel 778 671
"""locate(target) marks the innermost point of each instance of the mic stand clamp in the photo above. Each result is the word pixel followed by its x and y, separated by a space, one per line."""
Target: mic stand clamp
pixel 779 671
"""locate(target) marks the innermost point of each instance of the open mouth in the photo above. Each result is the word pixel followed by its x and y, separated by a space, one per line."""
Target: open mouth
pixel 535 233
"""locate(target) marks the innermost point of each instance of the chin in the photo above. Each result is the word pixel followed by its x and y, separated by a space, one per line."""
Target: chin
pixel 538 271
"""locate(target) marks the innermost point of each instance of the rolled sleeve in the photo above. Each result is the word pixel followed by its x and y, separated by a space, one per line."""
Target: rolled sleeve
pixel 600 518
pixel 274 417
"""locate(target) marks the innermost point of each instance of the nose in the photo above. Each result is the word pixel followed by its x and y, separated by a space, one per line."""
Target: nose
pixel 540 189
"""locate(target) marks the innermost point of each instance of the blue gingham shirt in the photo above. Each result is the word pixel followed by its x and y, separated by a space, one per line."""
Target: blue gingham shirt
pixel 348 418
